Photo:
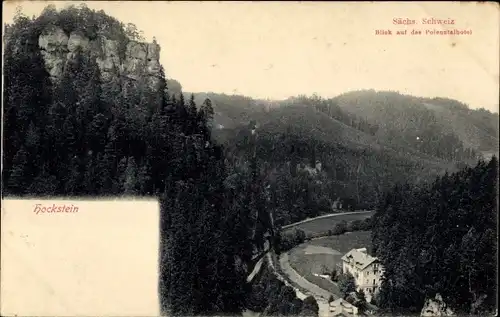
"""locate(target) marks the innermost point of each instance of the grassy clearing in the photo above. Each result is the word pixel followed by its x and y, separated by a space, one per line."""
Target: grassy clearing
pixel 345 242
pixel 307 264
pixel 322 225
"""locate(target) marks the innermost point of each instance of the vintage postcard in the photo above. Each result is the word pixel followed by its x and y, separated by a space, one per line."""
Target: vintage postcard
pixel 252 159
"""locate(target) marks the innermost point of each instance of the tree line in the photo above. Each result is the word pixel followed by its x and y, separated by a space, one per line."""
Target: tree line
pixel 295 189
pixel 440 239
pixel 414 122
pixel 333 110
pixel 271 297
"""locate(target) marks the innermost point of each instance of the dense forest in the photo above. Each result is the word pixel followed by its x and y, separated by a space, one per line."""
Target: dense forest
pixel 438 127
pixel 440 239
pixel 82 136
pixel 445 128
pixel 273 298
pixel 322 163
pixel 425 134
pixel 330 158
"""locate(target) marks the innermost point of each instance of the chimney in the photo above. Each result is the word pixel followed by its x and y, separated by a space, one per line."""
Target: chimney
pixel 362 250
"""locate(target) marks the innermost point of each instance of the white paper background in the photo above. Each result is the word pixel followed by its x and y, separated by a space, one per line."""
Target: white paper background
pixel 101 261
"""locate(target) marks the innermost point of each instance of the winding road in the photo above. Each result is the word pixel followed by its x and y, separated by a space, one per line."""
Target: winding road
pixel 311 289
pixel 317 292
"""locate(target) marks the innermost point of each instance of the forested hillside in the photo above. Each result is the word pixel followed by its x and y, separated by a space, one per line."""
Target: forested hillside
pixel 446 128
pixel 360 155
pixel 322 161
pixel 87 113
pixel 308 176
pixel 440 128
pixel 440 239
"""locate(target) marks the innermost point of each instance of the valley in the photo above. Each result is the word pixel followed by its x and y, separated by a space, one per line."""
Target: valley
pixel 369 202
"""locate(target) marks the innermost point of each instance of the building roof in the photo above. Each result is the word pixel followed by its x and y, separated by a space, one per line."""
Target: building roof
pixel 359 257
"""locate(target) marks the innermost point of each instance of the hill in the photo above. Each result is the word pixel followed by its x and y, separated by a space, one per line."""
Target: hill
pixel 309 161
pixel 435 128
pixel 425 117
pixel 359 156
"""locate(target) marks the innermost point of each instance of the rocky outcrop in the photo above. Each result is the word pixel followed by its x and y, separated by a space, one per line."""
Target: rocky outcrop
pixel 436 307
pixel 141 60
pixel 53 43
pixel 109 59
pixel 78 41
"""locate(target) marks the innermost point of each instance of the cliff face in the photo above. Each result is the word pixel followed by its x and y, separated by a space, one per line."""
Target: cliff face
pixel 436 307
pixel 139 61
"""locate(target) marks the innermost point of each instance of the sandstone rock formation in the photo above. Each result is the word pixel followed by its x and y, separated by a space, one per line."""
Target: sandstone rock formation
pixel 436 307
pixel 141 60
pixel 53 43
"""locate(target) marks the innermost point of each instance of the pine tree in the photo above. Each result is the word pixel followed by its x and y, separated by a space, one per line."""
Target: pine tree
pixel 44 185
pixel 120 175
pixel 144 179
pixel 18 178
pixel 92 180
pixel 73 180
pixel 32 139
pixel 130 182
pixel 347 284
pixel 205 118
pixel 192 113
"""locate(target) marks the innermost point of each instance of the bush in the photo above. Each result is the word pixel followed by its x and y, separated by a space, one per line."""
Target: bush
pixel 286 241
pixel 330 299
pixel 310 304
pixel 346 284
pixel 272 295
pixel 375 299
pixel 299 236
pixel 366 224
pixel 324 270
pixel 361 302
pixel 340 228
pixel 361 295
pixel 355 225
pixel 334 275
pixel 295 306
pixel 287 293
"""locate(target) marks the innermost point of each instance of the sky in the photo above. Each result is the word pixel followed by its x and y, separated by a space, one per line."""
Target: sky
pixel 279 49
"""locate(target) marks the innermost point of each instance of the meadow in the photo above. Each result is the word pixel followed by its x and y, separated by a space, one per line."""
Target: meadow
pixel 322 225
pixel 308 259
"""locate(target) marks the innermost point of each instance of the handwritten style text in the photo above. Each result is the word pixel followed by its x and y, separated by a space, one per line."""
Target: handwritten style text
pixel 55 209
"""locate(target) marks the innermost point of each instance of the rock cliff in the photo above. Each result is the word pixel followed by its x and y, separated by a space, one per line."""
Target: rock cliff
pixel 138 61
pixel 436 307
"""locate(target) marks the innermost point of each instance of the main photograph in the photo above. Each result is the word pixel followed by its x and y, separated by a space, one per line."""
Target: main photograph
pixel 277 198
